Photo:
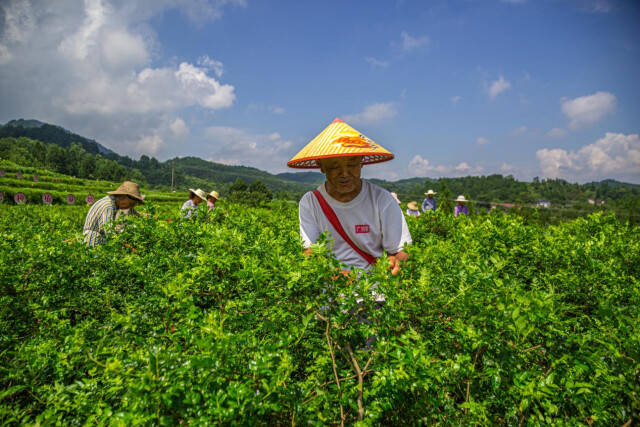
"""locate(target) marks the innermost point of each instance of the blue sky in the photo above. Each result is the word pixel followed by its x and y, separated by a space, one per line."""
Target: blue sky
pixel 544 88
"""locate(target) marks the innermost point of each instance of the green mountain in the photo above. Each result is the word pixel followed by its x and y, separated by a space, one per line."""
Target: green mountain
pixel 47 133
pixel 38 144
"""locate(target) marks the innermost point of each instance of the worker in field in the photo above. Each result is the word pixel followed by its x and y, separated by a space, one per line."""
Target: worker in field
pixel 190 207
pixel 212 198
pixel 363 219
pixel 105 210
pixel 461 207
pixel 412 209
pixel 429 203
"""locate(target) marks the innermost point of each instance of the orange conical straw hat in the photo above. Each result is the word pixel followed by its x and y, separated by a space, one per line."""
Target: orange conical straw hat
pixel 337 140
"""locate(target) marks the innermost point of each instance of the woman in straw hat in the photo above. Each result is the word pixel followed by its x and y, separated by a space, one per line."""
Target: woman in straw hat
pixel 212 198
pixel 429 203
pixel 124 198
pixel 191 205
pixel 412 209
pixel 363 219
pixel 461 208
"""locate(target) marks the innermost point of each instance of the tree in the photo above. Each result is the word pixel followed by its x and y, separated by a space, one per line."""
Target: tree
pixel 238 187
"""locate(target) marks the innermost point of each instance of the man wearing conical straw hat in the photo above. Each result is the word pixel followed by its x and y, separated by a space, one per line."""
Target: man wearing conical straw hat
pixel 429 203
pixel 124 198
pixel 363 219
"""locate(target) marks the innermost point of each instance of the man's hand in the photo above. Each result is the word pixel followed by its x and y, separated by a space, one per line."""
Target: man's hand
pixel 394 261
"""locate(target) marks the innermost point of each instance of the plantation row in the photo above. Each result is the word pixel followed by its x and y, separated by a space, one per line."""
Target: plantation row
pixel 59 187
pixel 224 320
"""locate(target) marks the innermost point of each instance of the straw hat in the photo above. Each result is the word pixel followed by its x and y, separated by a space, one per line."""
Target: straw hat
pixel 395 196
pixel 430 192
pixel 215 195
pixel 130 189
pixel 413 206
pixel 339 140
pixel 461 199
pixel 199 193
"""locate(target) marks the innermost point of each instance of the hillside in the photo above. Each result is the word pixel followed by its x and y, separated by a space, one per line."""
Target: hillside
pixel 48 133
pixel 38 144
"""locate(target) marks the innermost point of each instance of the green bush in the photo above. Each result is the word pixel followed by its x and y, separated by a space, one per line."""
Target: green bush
pixel 223 320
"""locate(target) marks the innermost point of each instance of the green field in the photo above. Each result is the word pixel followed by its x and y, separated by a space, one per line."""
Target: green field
pixel 59 186
pixel 222 320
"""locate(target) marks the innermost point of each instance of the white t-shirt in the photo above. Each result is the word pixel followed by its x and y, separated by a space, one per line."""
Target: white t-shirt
pixel 373 221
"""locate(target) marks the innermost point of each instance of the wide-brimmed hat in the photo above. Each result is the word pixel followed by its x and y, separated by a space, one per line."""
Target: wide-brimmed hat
pixel 395 196
pixel 130 189
pixel 413 206
pixel 430 192
pixel 339 140
pixel 214 194
pixel 199 193
pixel 461 199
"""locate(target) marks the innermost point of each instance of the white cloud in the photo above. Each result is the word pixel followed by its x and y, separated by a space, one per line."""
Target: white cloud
pixel 455 99
pixel 506 167
pixel 376 62
pixel 150 144
pixel 179 127
pixel 497 87
pixel 89 69
pixel 589 109
pixel 614 156
pixel 419 166
pixel 482 141
pixel 373 113
pixel 519 130
pixel 411 43
pixel 557 133
pixel 235 146
pixel 211 64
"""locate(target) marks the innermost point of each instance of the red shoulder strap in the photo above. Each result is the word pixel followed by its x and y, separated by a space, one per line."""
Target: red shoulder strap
pixel 333 219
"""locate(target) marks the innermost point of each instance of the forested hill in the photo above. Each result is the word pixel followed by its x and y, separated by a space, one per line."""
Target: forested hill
pixel 38 144
pixel 45 132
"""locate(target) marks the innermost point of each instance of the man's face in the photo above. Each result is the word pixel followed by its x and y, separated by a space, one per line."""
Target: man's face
pixel 124 202
pixel 343 173
pixel 430 196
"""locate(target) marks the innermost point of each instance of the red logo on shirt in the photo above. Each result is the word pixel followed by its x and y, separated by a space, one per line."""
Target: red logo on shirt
pixel 362 228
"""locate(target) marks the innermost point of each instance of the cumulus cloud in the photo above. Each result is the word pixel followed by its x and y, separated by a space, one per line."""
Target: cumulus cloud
pixel 89 69
pixel 497 87
pixel 589 109
pixel 482 141
pixel 179 127
pixel 236 146
pixel 419 166
pixel 376 62
pixel 412 43
pixel 557 133
pixel 373 113
pixel 616 155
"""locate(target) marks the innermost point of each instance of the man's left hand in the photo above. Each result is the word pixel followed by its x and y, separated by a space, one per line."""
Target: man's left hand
pixel 394 261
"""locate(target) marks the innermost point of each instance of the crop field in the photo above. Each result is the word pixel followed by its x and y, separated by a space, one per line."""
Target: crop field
pixel 223 320
pixel 35 182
